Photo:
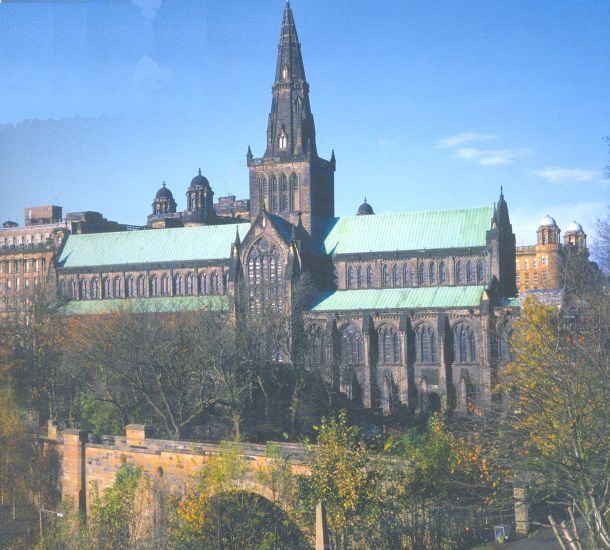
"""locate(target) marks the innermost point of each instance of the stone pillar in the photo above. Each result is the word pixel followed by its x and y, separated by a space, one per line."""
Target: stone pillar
pixel 52 429
pixel 522 516
pixel 73 482
pixel 136 434
pixel 322 539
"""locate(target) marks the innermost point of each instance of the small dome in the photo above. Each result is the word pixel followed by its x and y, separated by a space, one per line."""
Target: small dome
pixel 548 221
pixel 365 209
pixel 164 193
pixel 200 181
pixel 573 227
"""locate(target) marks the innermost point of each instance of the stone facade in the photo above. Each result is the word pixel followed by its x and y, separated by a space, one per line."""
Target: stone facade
pixel 411 308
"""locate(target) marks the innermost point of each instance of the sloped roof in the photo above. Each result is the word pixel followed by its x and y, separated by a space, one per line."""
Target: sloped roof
pixel 163 304
pixel 183 244
pixel 399 298
pixel 462 228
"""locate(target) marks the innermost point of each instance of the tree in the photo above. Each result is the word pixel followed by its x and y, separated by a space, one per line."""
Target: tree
pixel 601 245
pixel 175 371
pixel 558 402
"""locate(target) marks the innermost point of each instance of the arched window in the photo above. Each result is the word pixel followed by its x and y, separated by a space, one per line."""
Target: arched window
pixel 130 287
pixel 273 193
pixel 442 273
pixel 178 290
pixel 164 285
pixel 95 289
pixel 116 291
pixel 389 347
pixel 202 284
pixel 190 284
pixel 359 279
pixel 261 189
pixel 315 338
pixel 395 275
pixel 458 273
pixel 350 277
pixel 352 346
pixel 370 277
pixel 154 285
pixel 506 352
pixel 470 273
pixel 283 193
pixel 426 347
pixel 283 140
pixel 421 274
pixel 214 286
pixel 106 288
pixel 432 273
pixel 406 275
pixel 385 276
pixel 465 344
pixel 294 189
pixel 264 266
pixel 480 272
pixel 84 294
pixel 141 286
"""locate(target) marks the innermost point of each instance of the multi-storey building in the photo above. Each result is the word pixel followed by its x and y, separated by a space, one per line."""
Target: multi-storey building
pixel 412 306
pixel 538 267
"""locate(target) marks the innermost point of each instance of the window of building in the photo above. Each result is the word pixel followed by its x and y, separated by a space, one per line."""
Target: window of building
pixel 421 275
pixel 352 346
pixel 545 276
pixel 518 279
pixel 202 284
pixel 426 345
pixel 517 264
pixel 395 275
pixel 141 290
pixel 527 280
pixel 17 266
pixel 273 192
pixel 359 279
pixel 480 272
pixel 164 285
pixel 350 277
pixel 370 277
pixel 34 265
pixel 527 264
pixel 406 275
pixel 261 189
pixel 283 193
pixel 214 283
pixel 545 260
pixel 26 266
pixel 106 288
pixel 535 279
pixel 95 289
pixel 315 338
pixel 465 344
pixel 43 264
pixel 389 346
pixel 283 140
pixel 535 264
pixel 190 284
pixel 470 273
pixel 178 289
pixel 432 273
pixel 442 273
pixel 458 273
pixel 294 189
pixel 284 73
pixel 84 291
pixel 130 287
pixel 385 276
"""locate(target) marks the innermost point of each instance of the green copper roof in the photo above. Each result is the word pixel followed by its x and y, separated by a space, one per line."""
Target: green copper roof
pixel 461 228
pixel 400 298
pixel 146 305
pixel 212 242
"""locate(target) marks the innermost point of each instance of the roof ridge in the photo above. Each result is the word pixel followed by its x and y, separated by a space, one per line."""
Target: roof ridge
pixel 417 212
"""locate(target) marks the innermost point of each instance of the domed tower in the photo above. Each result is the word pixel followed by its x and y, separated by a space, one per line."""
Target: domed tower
pixel 575 236
pixel 164 210
pixel 199 202
pixel 365 209
pixel 548 232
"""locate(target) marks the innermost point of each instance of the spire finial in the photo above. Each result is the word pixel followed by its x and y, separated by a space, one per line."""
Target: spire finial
pixel 163 183
pixel 237 239
pixel 199 171
pixel 364 200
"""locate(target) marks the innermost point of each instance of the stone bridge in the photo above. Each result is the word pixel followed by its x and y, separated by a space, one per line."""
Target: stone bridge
pixel 91 463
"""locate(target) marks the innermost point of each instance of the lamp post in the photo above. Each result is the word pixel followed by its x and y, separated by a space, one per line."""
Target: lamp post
pixel 41 511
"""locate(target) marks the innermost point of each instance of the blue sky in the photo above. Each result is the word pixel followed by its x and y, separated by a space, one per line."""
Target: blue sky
pixel 427 104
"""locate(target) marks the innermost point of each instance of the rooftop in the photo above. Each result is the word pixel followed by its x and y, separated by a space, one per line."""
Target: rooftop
pixel 462 228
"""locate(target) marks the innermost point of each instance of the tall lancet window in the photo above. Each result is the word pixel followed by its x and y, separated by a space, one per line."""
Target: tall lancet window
pixel 265 276
pixel 284 73
pixel 283 193
pixel 282 140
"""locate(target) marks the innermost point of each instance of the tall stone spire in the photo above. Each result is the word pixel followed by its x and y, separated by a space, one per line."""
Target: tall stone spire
pixel 290 131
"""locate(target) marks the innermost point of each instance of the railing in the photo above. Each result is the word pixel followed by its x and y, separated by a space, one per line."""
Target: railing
pixel 26 247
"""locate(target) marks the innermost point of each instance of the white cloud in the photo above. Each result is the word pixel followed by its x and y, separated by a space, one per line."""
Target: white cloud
pixel 493 157
pixel 463 139
pixel 556 174
pixel 150 76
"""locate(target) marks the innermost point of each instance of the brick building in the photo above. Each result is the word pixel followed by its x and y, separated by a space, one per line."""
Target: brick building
pixel 412 306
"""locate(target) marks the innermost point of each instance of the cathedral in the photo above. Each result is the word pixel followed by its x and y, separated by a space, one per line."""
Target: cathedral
pixel 414 307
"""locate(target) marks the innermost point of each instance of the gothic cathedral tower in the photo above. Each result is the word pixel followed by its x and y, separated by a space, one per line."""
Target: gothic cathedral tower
pixel 290 180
